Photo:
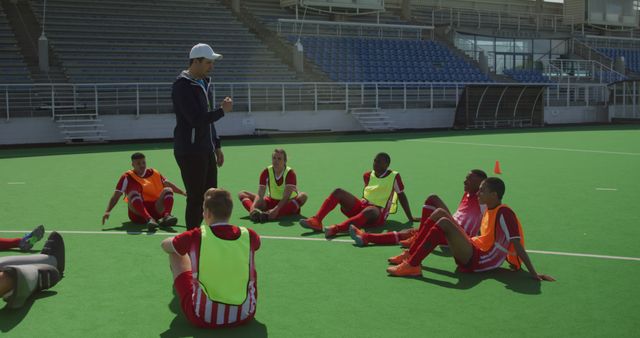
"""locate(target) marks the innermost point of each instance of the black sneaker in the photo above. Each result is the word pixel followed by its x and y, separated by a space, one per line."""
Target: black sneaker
pixel 168 221
pixel 152 225
pixel 254 216
pixel 263 218
pixel 54 246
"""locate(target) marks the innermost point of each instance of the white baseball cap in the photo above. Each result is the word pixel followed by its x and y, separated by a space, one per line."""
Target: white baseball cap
pixel 202 50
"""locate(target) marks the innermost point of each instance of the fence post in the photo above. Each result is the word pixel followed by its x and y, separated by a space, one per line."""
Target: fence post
pixel 404 96
pixel 53 104
pixel 346 96
pixel 283 99
pixel 431 96
pixel 137 100
pixel 95 91
pixel 315 97
pixel 6 96
pixel 249 96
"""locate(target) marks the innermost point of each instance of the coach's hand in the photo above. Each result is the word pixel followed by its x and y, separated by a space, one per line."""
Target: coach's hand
pixel 105 217
pixel 219 157
pixel 227 105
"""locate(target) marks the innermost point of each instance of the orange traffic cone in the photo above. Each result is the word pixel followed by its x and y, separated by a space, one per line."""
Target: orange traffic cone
pixel 496 168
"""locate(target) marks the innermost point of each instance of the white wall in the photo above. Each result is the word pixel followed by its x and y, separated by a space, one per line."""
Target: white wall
pixel 127 127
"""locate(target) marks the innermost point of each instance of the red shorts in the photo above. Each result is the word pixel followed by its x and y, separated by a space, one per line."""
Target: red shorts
pixel 291 208
pixel 360 206
pixel 474 263
pixel 151 209
pixel 184 287
pixel 270 202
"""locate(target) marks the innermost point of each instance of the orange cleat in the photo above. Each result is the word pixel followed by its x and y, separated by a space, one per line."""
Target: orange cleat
pixel 331 231
pixel 405 270
pixel 312 223
pixel 405 243
pixel 358 236
pixel 395 260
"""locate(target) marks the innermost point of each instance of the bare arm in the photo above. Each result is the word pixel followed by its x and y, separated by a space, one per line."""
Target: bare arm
pixel 175 189
pixel 167 245
pixel 288 190
pixel 112 203
pixel 404 202
pixel 522 253
pixel 262 190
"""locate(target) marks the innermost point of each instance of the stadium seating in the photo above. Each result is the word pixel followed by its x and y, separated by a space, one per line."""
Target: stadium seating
pixel 527 76
pixel 12 66
pixel 631 56
pixel 388 60
pixel 131 41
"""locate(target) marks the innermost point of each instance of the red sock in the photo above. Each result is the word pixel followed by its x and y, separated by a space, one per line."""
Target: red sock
pixel 328 205
pixel 358 220
pixel 247 203
pixel 405 235
pixel 291 208
pixel 422 233
pixel 9 243
pixel 427 210
pixel 385 238
pixel 168 204
pixel 434 237
pixel 138 206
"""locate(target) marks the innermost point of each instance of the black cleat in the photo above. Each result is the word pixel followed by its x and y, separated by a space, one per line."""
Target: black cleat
pixel 54 246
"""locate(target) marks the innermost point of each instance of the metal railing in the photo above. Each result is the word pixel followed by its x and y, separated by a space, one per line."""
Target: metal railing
pixel 338 28
pixel 55 100
pixel 580 70
pixel 457 17
pixel 624 101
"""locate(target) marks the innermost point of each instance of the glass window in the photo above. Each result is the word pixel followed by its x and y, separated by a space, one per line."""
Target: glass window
pixel 523 46
pixel 504 45
pixel 541 46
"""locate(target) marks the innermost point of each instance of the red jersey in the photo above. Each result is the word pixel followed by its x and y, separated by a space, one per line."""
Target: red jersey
pixel 210 312
pixel 291 178
pixel 126 184
pixel 469 214
pixel 506 229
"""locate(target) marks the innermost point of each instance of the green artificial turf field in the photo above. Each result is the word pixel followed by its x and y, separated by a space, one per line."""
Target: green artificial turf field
pixel 574 190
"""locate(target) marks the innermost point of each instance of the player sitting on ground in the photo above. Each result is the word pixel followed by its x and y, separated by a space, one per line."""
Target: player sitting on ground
pixel 468 216
pixel 25 243
pixel 501 238
pixel 148 193
pixel 23 276
pixel 382 189
pixel 283 198
pixel 213 267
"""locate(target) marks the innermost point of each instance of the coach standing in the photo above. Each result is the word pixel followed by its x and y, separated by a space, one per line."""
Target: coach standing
pixel 196 144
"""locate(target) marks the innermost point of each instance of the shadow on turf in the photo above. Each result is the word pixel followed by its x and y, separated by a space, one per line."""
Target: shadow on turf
pixel 516 281
pixel 140 229
pixel 180 327
pixel 388 226
pixel 10 318
pixel 285 221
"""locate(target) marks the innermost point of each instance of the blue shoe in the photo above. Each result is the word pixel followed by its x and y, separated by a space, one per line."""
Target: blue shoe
pixel 27 242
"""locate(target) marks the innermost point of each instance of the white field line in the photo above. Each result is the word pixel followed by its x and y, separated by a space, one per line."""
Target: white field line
pixel 16 183
pixel 76 232
pixel 606 189
pixel 531 147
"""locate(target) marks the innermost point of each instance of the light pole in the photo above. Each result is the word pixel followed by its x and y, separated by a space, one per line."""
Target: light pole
pixel 43 44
